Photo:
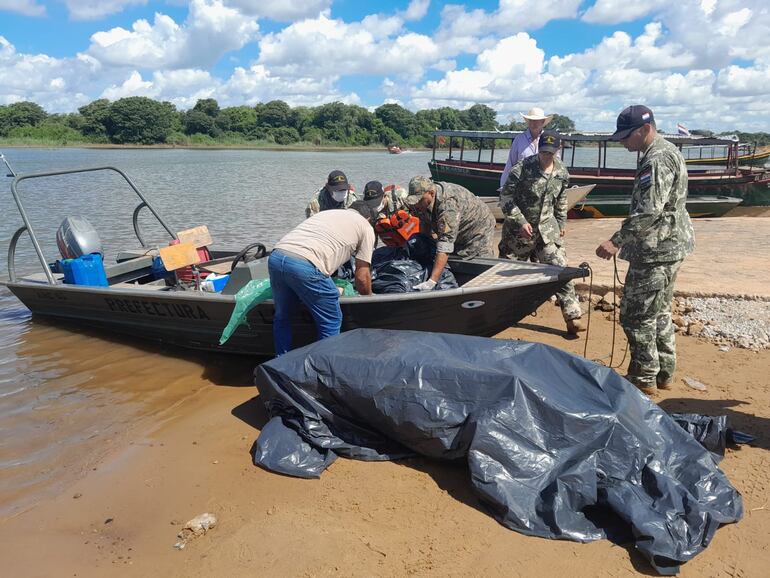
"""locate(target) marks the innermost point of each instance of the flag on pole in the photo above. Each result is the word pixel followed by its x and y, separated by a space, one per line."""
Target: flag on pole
pixel 681 129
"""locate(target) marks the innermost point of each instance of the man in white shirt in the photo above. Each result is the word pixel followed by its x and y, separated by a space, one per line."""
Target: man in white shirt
pixel 303 261
pixel 525 144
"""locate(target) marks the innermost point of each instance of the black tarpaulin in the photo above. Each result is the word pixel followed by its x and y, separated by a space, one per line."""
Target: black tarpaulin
pixel 549 436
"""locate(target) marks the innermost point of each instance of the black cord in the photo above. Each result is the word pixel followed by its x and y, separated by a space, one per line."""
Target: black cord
pixel 590 294
pixel 615 282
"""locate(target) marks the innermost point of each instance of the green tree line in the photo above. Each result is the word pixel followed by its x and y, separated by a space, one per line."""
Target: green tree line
pixel 142 120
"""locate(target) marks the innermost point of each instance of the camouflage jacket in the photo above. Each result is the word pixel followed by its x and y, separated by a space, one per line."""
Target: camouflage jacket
pixel 395 199
pixel 534 197
pixel 322 201
pixel 658 228
pixel 456 215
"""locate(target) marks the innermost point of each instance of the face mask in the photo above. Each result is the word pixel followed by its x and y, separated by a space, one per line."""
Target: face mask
pixel 339 196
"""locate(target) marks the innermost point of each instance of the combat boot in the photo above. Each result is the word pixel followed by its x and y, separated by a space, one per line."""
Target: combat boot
pixel 575 326
pixel 665 382
pixel 645 387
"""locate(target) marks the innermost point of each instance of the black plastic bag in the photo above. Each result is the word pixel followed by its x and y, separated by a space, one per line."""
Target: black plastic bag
pixel 397 276
pixel 549 437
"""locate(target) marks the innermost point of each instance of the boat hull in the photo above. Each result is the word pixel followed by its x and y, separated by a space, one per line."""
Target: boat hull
pixel 484 180
pixel 618 206
pixel 196 320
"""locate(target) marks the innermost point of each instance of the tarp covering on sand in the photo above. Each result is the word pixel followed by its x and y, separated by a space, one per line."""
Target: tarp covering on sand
pixel 554 442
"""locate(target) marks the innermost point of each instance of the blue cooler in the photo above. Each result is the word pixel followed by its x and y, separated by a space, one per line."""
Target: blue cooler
pixel 85 270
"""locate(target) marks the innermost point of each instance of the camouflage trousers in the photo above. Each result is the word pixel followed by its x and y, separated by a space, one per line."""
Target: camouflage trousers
pixel 645 315
pixel 480 243
pixel 535 249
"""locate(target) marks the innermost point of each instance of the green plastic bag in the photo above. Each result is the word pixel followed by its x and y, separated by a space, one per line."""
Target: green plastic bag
pixel 249 296
pixel 347 287
pixel 257 291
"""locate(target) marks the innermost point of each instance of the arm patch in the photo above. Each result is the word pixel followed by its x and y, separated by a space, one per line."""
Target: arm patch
pixel 645 179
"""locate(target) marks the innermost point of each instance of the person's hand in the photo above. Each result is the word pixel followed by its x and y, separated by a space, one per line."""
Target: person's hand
pixel 525 231
pixel 607 250
pixel 425 285
pixel 562 233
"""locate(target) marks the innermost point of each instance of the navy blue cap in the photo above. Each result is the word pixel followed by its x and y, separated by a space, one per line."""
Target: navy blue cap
pixel 631 119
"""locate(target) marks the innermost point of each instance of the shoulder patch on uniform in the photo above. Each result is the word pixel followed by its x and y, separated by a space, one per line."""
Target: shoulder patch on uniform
pixel 645 178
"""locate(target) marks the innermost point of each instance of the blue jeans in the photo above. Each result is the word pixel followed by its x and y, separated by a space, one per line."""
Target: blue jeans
pixel 294 280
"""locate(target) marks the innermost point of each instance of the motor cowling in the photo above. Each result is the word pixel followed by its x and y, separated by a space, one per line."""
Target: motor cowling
pixel 77 237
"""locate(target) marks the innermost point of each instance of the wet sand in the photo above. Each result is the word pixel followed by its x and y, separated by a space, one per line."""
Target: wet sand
pixel 414 517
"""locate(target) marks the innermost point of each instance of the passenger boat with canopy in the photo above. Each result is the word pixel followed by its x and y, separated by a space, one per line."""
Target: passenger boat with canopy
pixel 474 160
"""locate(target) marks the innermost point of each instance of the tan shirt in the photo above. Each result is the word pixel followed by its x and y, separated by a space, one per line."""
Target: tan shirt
pixel 329 238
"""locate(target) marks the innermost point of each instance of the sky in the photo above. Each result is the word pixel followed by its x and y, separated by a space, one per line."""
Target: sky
pixel 702 63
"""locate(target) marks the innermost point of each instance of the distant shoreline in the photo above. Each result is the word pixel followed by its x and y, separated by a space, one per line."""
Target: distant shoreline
pixel 290 148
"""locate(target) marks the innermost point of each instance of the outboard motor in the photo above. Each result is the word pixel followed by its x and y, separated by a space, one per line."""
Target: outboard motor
pixel 77 237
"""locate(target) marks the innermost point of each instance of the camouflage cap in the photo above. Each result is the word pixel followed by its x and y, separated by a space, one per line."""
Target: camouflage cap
pixel 418 186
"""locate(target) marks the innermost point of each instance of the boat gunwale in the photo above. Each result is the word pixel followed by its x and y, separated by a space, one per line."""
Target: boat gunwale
pixel 568 272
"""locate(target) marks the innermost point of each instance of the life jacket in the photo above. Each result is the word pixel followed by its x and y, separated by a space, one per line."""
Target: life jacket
pixel 396 230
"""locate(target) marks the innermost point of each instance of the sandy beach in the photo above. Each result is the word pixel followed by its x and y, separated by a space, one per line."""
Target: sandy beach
pixel 120 517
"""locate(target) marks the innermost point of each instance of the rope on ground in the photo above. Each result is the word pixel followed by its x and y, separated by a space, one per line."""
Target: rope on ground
pixel 615 282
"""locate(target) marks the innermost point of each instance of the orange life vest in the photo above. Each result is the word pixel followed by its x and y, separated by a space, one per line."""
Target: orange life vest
pixel 396 230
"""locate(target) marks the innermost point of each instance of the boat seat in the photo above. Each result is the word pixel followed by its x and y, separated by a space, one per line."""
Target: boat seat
pixel 154 286
pixel 505 273
pixel 129 270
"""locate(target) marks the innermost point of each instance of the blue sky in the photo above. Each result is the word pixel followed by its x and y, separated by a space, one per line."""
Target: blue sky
pixel 704 63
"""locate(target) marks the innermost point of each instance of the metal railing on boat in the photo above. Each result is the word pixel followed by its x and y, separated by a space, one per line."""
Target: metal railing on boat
pixel 28 226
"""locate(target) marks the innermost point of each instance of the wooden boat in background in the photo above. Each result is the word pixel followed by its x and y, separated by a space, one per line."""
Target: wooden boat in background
pixel 748 155
pixel 711 192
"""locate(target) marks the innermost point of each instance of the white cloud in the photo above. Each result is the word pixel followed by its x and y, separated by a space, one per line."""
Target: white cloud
pixel 210 31
pixel 246 86
pixel 282 10
pixel 464 28
pixel 593 86
pixel 258 84
pixel 56 84
pixel 649 52
pixel 95 9
pixel 324 46
pixel 416 10
pixel 25 7
pixel 738 81
pixel 617 11
pixel 513 57
pixel 714 31
pixel 183 88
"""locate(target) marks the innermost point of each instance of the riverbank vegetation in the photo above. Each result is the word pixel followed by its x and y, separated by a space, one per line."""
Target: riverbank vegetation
pixel 139 120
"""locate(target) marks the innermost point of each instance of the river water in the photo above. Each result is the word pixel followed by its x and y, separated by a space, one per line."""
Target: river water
pixel 66 395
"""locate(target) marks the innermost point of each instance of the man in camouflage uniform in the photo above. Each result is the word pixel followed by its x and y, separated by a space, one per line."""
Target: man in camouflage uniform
pixel 654 239
pixel 462 223
pixel 385 201
pixel 534 203
pixel 336 194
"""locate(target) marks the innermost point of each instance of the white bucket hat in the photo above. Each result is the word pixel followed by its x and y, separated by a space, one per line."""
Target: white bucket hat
pixel 536 113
